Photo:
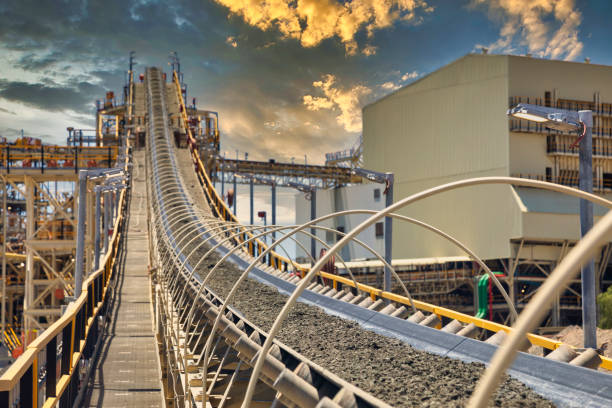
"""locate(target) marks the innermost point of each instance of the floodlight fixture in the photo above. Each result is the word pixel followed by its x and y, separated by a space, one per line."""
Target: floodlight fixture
pixel 557 119
pixel 581 122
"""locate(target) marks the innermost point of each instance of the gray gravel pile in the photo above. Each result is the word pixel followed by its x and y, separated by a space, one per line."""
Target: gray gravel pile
pixel 387 368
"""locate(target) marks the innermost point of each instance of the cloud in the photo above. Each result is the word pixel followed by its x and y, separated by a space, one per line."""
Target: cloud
pixel 410 75
pixel 548 28
pixel 390 86
pixel 231 40
pixel 369 50
pixel 32 62
pixel 51 98
pixel 347 101
pixel 312 21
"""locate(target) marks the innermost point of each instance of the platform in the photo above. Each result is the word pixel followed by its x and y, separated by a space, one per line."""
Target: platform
pixel 127 371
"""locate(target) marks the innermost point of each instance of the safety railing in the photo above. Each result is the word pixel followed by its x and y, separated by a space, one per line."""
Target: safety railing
pixel 339 282
pixel 568 178
pixel 277 261
pixel 217 204
pixel 56 157
pixel 51 368
pixel 10 339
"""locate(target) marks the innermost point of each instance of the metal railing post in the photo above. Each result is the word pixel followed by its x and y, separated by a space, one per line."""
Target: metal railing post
pixel 388 233
pixel 80 244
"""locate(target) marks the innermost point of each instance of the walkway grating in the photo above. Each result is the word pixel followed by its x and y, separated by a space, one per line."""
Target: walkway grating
pixel 127 371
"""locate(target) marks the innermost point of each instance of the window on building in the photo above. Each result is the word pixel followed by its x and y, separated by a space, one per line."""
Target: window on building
pixel 607 180
pixel 339 229
pixel 379 229
pixel 549 174
pixel 377 194
pixel 547 99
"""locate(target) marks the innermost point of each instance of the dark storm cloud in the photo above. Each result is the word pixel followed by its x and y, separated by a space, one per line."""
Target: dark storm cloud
pixel 51 98
pixel 11 133
pixel 32 62
pixel 257 87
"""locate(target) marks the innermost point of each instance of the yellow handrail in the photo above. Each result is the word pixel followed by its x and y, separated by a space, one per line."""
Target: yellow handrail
pixel 79 317
pixel 535 339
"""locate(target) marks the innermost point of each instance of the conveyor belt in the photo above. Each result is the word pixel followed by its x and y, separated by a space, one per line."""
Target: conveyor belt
pixel 290 379
pixel 172 206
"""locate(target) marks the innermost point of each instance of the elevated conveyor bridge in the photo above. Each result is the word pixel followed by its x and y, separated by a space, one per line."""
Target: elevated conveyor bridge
pixel 173 310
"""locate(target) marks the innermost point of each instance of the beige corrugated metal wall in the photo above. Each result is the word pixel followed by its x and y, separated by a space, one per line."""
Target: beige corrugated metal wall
pixel 448 126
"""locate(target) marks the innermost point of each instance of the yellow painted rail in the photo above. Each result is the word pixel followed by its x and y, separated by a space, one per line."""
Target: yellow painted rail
pixel 49 370
pixel 49 157
pixel 375 293
pixel 49 365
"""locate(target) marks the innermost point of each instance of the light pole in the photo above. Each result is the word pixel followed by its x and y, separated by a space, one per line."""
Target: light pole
pixel 581 122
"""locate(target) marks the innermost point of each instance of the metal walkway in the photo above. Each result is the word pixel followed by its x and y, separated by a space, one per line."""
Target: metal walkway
pixel 127 371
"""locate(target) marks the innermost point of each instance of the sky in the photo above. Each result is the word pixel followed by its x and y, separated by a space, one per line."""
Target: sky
pixel 288 77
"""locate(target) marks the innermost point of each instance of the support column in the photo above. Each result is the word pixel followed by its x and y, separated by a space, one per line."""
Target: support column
pixel 80 244
pixel 235 196
pixel 4 227
pixel 589 308
pixel 97 232
pixel 115 195
pixel 313 215
pixel 274 209
pixel 89 238
pixel 107 218
pixel 29 285
pixel 222 184
pixel 388 233
pixel 511 284
pixel 251 209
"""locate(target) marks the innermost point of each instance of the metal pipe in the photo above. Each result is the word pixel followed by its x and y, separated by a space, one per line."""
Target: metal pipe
pixel 589 307
pixel 80 244
pixel 251 202
pixel 273 210
pixel 235 196
pixel 107 218
pixel 97 232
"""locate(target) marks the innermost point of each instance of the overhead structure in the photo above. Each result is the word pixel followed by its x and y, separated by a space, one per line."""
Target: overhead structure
pixel 192 259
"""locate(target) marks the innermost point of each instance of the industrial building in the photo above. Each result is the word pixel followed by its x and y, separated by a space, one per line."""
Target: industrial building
pixel 452 125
